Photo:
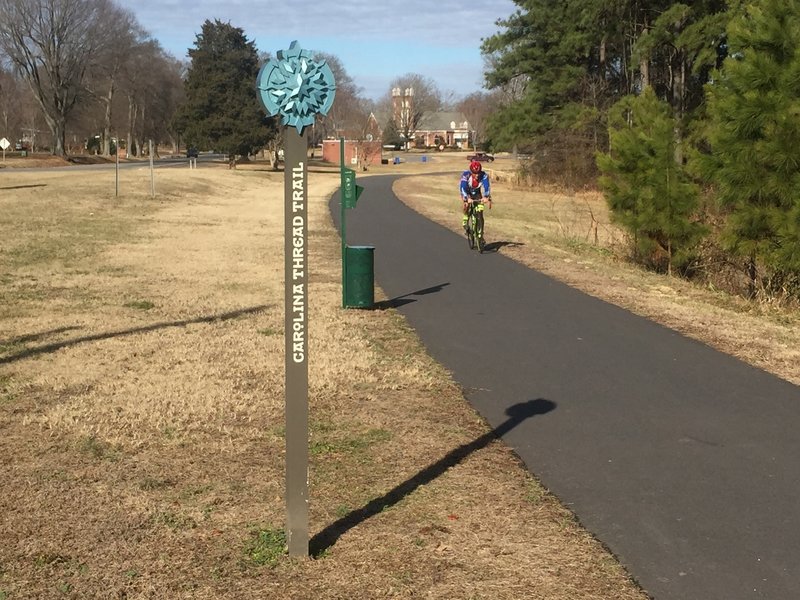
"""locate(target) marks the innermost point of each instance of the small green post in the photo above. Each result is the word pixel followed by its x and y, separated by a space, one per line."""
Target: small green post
pixel 349 193
pixel 342 219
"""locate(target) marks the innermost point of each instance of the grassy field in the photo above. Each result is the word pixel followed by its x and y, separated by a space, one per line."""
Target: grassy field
pixel 141 412
pixel 141 397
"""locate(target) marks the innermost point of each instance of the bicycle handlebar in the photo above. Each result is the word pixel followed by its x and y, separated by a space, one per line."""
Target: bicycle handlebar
pixel 476 200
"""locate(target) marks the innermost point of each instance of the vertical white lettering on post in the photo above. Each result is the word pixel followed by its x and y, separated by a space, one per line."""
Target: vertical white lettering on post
pixel 296 339
pixel 298 264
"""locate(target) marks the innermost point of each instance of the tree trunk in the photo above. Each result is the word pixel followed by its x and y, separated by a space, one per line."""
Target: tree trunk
pixel 752 274
pixel 58 127
pixel 603 57
pixel 141 145
pixel 644 61
pixel 130 150
pixel 59 137
pixel 644 69
pixel 679 100
pixel 107 100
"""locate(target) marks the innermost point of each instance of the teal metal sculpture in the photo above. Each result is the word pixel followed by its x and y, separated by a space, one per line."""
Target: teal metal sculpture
pixel 296 86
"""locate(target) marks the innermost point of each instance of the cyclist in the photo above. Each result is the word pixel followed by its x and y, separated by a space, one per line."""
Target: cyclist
pixel 474 186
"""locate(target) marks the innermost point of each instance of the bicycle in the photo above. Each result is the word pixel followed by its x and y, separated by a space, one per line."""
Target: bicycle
pixel 474 226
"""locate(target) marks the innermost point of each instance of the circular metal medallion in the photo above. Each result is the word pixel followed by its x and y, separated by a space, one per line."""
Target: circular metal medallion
pixel 296 86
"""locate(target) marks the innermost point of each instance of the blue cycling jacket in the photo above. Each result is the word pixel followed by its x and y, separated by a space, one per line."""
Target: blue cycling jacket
pixel 473 184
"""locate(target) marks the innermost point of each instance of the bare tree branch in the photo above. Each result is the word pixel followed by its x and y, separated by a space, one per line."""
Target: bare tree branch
pixel 53 44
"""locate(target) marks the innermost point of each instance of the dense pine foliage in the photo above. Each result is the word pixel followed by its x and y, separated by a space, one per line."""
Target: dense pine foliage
pixel 221 111
pixel 649 193
pixel 686 114
pixel 754 141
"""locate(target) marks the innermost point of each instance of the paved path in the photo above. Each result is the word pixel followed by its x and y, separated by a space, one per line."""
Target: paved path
pixel 685 462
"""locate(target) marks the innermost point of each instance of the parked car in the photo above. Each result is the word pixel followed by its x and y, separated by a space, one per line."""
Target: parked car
pixel 481 157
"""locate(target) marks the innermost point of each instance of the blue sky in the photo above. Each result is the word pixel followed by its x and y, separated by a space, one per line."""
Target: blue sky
pixel 376 41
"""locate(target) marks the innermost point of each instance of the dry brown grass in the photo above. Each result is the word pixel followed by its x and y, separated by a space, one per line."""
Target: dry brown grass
pixel 141 427
pixel 570 237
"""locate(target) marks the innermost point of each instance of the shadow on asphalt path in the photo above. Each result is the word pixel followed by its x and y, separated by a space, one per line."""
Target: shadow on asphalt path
pixel 495 246
pixel 516 414
pixel 404 299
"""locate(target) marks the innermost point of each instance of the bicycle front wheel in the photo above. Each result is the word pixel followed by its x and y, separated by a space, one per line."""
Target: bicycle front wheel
pixel 479 232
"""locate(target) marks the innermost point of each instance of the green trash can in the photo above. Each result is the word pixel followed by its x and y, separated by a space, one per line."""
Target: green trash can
pixel 359 276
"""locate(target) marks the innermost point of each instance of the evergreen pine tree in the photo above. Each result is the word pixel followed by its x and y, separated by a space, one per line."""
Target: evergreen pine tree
pixel 391 134
pixel 562 65
pixel 648 192
pixel 550 43
pixel 221 110
pixel 754 139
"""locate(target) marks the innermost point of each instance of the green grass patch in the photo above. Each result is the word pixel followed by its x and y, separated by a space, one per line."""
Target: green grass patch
pixel 266 547
pixel 64 587
pixel 149 484
pixel 6 392
pixel 342 511
pixel 173 520
pixel 97 448
pixel 355 443
pixel 534 492
pixel 48 559
pixel 196 490
pixel 139 304
pixel 321 447
pixel 60 233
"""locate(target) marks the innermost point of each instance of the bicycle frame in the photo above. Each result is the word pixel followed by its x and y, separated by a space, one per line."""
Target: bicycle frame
pixel 475 210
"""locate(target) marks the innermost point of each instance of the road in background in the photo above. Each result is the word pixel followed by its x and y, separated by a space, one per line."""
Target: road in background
pixel 167 162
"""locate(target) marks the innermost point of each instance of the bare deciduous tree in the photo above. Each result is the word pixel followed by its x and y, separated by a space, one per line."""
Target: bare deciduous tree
pixel 52 44
pixel 151 82
pixel 105 76
pixel 425 97
pixel 348 115
pixel 11 109
pixel 476 108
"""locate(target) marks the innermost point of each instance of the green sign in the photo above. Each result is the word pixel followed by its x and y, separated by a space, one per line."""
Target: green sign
pixel 350 191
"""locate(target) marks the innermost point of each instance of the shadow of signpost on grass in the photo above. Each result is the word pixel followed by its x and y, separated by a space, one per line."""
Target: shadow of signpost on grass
pixel 48 348
pixel 517 413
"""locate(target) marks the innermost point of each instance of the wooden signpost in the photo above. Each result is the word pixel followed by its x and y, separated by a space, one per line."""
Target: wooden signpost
pixel 298 88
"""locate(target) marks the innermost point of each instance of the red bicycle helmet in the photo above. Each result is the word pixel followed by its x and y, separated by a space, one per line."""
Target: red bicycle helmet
pixel 475 166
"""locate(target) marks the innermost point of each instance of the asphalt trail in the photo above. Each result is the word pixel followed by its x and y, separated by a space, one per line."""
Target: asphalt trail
pixel 682 460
